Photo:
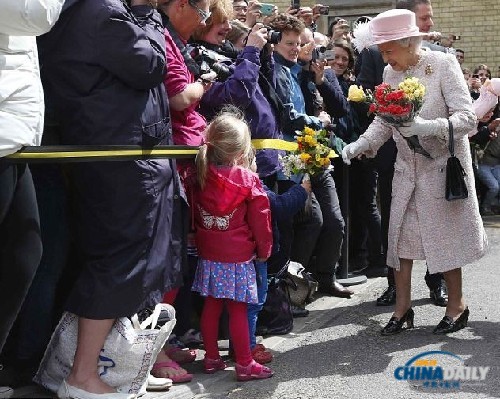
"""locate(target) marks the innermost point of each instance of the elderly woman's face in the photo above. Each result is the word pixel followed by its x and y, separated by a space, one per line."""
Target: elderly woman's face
pixel 307 45
pixel 397 56
pixel 218 32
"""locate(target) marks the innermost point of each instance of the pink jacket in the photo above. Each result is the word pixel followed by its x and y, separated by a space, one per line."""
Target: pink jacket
pixel 232 216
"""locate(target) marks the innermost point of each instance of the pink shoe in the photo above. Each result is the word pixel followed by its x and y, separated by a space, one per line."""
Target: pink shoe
pixel 213 365
pixel 254 371
pixel 161 370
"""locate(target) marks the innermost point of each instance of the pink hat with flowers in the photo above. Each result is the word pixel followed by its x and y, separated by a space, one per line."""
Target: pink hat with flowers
pixel 385 27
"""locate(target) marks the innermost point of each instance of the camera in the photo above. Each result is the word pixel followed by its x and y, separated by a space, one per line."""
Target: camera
pixel 208 61
pixel 455 37
pixel 324 10
pixel 266 9
pixel 273 36
pixel 319 53
pixel 294 4
pixel 475 76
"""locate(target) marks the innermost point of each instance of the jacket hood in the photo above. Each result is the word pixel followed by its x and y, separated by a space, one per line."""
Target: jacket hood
pixel 226 188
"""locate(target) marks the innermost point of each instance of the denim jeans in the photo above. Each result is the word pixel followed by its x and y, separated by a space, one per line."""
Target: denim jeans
pixel 253 309
pixel 490 176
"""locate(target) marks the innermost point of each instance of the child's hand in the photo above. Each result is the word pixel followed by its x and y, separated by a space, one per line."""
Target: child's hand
pixel 307 185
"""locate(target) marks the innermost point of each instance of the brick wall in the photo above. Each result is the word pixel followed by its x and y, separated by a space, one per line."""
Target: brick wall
pixel 477 22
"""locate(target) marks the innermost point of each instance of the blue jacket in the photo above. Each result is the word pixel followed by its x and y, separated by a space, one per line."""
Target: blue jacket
pixel 284 206
pixel 244 89
pixel 288 88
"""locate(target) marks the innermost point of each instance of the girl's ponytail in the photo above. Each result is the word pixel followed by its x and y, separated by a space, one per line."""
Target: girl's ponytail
pixel 202 164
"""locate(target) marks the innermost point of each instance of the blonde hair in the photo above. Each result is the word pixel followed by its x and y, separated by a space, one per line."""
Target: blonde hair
pixel 222 10
pixel 227 142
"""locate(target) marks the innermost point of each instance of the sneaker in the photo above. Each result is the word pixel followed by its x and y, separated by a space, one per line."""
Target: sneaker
pixel 213 365
pixel 192 338
pixel 6 392
pixel 254 371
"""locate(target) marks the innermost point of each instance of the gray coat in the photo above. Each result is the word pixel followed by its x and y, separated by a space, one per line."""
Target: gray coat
pixel 452 233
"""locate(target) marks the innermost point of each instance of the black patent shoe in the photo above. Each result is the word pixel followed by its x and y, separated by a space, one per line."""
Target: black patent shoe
pixel 439 296
pixel 388 297
pixel 395 325
pixel 447 325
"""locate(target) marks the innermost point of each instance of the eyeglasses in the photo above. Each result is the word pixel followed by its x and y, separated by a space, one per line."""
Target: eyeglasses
pixel 204 15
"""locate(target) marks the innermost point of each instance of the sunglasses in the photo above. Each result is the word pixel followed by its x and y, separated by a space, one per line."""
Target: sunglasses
pixel 204 15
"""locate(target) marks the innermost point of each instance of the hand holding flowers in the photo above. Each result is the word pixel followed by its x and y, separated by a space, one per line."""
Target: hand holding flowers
pixel 311 156
pixel 394 106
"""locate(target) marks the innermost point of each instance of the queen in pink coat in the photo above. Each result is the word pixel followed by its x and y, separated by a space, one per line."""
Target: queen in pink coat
pixel 423 224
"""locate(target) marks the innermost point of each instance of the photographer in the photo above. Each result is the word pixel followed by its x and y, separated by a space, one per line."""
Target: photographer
pixel 286 53
pixel 181 18
pixel 249 87
pixel 322 232
pixel 185 85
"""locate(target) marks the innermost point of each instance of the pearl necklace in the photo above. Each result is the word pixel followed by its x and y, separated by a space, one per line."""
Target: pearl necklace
pixel 411 68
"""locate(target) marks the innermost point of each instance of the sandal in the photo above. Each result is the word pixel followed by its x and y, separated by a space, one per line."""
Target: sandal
pixel 180 356
pixel 176 378
pixel 213 365
pixel 254 371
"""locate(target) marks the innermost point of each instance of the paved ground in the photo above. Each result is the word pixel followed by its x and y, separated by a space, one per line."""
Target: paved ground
pixel 337 351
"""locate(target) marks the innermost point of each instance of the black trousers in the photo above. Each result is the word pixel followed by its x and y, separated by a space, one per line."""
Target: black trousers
pixel 318 238
pixel 20 241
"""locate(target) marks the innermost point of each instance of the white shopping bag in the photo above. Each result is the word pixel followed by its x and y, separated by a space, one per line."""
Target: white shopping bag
pixel 126 359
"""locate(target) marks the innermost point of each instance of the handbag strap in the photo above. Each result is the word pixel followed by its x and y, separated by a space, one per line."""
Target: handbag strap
pixel 451 141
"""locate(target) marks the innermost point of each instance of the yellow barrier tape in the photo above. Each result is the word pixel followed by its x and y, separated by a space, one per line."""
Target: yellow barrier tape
pixel 100 154
pixel 276 144
pixel 37 153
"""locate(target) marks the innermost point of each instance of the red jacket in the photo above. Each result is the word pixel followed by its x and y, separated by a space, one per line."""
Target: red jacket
pixel 232 216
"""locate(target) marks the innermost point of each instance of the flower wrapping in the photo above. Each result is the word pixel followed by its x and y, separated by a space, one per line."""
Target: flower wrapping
pixel 395 106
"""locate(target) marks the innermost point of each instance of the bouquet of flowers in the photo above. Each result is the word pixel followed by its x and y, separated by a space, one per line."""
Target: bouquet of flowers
pixel 311 156
pixel 394 106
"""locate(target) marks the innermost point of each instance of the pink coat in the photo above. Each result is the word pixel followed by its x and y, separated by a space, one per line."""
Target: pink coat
pixel 452 232
pixel 232 216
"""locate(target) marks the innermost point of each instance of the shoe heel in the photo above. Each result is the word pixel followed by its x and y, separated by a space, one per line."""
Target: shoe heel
pixel 410 315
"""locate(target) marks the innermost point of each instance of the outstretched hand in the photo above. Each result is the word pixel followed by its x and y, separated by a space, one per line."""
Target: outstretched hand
pixel 353 150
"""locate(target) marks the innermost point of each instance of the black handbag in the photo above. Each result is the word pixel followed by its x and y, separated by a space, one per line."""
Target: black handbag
pixel 455 173
pixel 276 317
pixel 301 285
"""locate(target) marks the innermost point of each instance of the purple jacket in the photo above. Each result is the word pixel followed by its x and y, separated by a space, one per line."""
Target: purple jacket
pixel 244 90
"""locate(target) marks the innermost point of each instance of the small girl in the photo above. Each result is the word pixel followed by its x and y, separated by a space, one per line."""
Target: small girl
pixel 233 228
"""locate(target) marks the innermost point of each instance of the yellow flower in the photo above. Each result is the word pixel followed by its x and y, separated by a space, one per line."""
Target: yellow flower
pixel 305 157
pixel 413 89
pixel 309 140
pixel 356 94
pixel 300 139
pixel 308 131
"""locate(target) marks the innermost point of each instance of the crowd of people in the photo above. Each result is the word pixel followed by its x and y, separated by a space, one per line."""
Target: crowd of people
pixel 203 234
